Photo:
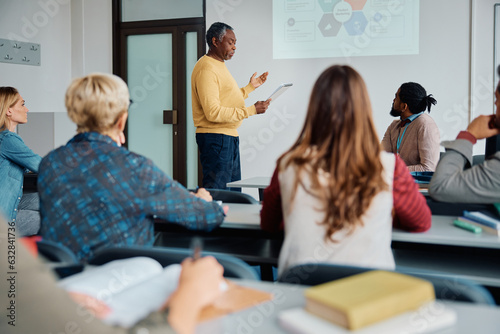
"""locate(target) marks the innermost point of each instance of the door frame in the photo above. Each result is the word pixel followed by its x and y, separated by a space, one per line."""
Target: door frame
pixel 178 28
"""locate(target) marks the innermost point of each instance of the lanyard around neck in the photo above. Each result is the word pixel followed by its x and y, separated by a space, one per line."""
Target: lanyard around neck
pixel 400 138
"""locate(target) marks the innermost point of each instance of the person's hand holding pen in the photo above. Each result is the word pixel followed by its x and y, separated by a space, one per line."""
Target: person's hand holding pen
pixel 199 285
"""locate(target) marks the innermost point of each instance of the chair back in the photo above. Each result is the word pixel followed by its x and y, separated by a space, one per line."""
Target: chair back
pixel 55 252
pixel 61 259
pixel 233 267
pixel 446 286
pixel 450 287
pixel 228 196
pixel 477 159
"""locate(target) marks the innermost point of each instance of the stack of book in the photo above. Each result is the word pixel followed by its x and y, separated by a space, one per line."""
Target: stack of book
pixel 372 302
pixel 485 221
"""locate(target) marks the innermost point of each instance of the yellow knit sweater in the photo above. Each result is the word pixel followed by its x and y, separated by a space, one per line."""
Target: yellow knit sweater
pixel 218 102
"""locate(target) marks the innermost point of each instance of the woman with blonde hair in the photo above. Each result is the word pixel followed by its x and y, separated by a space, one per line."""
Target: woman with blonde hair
pixel 16 159
pixel 94 193
pixel 335 192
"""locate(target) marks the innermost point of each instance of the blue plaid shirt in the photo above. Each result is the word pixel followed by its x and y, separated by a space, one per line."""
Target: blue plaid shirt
pixel 96 194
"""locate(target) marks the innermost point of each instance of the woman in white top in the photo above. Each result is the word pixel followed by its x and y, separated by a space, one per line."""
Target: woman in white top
pixel 335 192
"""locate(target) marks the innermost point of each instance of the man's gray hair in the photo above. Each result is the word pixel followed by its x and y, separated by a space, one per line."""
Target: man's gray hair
pixel 217 30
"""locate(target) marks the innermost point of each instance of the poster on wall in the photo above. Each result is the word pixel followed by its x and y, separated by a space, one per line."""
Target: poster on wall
pixel 349 28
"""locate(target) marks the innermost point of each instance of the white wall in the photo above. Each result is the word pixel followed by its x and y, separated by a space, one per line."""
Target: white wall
pixel 75 38
pixel 443 67
pixel 482 63
pixel 41 86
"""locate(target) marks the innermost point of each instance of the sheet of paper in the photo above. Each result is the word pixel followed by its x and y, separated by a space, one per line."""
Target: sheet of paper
pixel 235 298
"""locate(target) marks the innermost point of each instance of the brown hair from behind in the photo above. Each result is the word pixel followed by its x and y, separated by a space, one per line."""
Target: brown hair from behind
pixel 339 138
pixel 8 98
pixel 95 102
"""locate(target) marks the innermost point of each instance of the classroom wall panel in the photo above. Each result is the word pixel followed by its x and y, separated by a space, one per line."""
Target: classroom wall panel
pixel 442 66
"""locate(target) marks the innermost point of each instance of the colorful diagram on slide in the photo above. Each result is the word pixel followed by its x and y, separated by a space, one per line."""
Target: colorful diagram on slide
pixel 338 13
pixel 344 28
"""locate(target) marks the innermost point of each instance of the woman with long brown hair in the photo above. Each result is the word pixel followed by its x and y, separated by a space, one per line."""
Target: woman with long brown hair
pixel 335 192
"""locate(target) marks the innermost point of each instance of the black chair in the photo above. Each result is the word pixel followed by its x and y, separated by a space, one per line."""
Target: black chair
pixel 446 287
pixel 55 252
pixel 30 182
pixel 456 209
pixel 477 159
pixel 233 267
pixel 60 258
pixel 450 287
pixel 228 196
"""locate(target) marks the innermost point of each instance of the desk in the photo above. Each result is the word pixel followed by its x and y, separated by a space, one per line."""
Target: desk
pixel 260 182
pixel 471 318
pixel 242 216
pixel 239 235
pixel 447 248
pixel 443 232
pixel 252 182
pixel 444 247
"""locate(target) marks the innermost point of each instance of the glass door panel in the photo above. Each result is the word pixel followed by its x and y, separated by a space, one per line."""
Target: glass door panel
pixel 191 146
pixel 145 10
pixel 149 78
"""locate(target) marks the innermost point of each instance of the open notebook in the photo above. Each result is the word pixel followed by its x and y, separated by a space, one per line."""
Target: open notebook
pixel 130 289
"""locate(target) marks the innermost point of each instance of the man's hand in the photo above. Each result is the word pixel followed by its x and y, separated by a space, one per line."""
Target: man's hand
pixel 261 106
pixel 257 81
pixel 483 126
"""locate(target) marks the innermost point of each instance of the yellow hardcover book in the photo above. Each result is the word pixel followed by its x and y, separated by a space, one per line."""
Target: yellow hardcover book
pixel 360 300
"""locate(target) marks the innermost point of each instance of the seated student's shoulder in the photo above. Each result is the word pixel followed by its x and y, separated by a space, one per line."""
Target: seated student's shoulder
pixel 426 119
pixel 144 168
pixel 394 124
pixel 10 138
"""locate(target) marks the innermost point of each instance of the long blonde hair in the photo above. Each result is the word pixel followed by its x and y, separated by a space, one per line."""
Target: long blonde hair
pixel 339 138
pixel 8 98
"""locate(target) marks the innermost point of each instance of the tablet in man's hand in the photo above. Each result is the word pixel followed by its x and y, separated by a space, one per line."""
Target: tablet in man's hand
pixel 280 90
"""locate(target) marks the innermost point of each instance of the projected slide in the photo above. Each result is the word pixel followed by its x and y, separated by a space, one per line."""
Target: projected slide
pixel 350 28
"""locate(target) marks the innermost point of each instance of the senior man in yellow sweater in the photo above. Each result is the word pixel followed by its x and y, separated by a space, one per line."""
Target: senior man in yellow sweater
pixel 219 108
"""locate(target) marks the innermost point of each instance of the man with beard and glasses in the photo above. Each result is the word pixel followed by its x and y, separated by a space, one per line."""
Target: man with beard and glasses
pixel 415 136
